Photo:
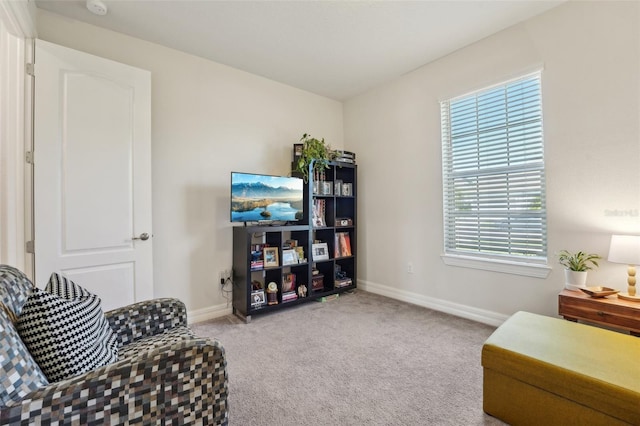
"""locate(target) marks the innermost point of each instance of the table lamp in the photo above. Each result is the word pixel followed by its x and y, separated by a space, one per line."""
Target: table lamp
pixel 626 249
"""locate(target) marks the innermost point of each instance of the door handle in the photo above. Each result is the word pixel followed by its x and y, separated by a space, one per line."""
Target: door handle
pixel 144 237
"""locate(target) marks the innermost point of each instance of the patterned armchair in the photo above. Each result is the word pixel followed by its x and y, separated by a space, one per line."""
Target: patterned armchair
pixel 164 373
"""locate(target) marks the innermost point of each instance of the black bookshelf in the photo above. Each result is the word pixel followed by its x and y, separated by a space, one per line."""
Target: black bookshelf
pixel 335 190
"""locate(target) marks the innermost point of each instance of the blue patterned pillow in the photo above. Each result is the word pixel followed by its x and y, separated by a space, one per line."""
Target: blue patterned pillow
pixel 65 330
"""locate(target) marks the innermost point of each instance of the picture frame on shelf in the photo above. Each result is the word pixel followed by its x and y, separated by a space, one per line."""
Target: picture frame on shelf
pixel 347 189
pixel 271 257
pixel 320 251
pixel 337 188
pixel 327 188
pixel 289 257
pixel 258 298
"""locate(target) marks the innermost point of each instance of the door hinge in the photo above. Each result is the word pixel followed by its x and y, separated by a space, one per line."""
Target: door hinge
pixel 30 247
pixel 30 69
pixel 29 157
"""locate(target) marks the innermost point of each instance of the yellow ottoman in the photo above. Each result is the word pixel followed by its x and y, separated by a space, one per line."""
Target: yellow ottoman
pixel 547 371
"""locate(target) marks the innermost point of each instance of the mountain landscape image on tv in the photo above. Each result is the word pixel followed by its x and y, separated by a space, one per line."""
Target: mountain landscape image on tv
pixel 257 197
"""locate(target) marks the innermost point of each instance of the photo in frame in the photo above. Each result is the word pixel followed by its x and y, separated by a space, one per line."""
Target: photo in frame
pixel 271 257
pixel 320 251
pixel 327 188
pixel 289 257
pixel 258 298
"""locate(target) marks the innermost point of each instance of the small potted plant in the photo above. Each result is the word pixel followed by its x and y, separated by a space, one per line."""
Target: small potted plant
pixel 314 151
pixel 576 266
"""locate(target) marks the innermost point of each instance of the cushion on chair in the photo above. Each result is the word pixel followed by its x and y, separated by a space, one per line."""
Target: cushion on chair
pixel 65 330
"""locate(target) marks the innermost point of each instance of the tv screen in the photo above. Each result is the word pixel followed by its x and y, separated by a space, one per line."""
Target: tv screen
pixel 265 198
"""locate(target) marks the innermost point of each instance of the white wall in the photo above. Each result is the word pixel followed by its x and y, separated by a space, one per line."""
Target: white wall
pixel 591 93
pixel 207 120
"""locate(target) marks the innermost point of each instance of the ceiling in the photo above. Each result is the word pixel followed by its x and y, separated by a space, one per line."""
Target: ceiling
pixel 337 49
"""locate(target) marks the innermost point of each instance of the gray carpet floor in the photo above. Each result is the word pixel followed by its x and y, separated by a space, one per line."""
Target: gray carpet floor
pixel 361 359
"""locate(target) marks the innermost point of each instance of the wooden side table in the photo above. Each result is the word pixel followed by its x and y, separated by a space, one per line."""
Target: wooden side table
pixel 609 311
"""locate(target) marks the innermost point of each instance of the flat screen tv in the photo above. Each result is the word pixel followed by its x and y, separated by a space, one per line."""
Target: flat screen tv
pixel 257 198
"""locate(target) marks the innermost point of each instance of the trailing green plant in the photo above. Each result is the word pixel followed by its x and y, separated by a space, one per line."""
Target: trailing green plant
pixel 579 261
pixel 313 151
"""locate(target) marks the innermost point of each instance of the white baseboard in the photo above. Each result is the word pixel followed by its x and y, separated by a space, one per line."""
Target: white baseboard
pixel 211 312
pixel 463 311
pixel 480 315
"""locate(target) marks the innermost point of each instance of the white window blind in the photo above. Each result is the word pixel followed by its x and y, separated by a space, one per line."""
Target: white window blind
pixel 493 170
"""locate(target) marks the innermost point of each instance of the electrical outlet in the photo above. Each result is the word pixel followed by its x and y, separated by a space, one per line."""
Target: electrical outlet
pixel 410 268
pixel 225 276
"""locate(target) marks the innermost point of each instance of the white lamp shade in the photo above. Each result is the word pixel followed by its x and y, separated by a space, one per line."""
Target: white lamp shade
pixel 625 249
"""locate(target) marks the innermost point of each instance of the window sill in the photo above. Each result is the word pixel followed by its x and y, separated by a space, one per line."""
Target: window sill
pixel 504 266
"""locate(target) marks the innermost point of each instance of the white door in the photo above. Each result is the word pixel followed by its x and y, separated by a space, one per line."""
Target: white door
pixel 92 174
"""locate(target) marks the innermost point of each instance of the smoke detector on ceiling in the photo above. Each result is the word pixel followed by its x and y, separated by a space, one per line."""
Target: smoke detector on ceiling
pixel 97 7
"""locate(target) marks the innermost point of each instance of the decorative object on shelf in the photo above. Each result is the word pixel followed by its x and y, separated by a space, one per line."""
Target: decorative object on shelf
pixel 347 189
pixel 344 221
pixel 317 282
pixel 272 293
pixel 626 249
pixel 341 278
pixel 302 290
pixel 576 267
pixel 345 156
pixel 320 251
pixel 314 151
pixel 598 291
pixel 300 252
pixel 297 152
pixel 271 257
pixel 290 243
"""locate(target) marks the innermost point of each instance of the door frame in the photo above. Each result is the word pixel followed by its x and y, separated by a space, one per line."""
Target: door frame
pixel 18 33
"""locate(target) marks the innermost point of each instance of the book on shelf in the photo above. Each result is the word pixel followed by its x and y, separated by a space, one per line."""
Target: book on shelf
pixel 342 282
pixel 257 264
pixel 288 283
pixel 342 244
pixel 319 213
pixel 289 296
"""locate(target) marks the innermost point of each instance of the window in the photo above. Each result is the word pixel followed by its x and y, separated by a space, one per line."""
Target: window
pixel 493 173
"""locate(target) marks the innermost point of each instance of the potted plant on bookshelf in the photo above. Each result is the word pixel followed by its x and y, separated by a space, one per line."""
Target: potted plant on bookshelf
pixel 576 267
pixel 316 152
